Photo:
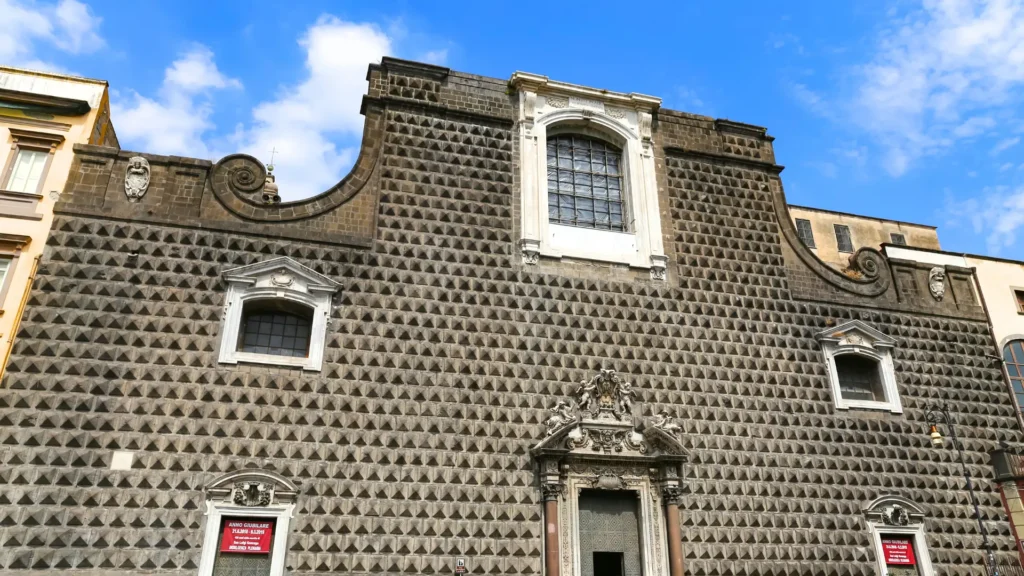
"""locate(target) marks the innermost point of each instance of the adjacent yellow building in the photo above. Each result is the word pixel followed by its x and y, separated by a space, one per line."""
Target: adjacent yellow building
pixel 835 236
pixel 42 116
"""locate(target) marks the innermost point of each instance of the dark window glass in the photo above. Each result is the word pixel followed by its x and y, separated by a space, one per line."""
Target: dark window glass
pixel 585 183
pixel 803 230
pixel 1018 294
pixel 859 378
pixel 898 239
pixel 1013 354
pixel 843 239
pixel 275 327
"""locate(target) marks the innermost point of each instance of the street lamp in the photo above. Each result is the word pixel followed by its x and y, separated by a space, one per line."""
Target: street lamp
pixel 942 416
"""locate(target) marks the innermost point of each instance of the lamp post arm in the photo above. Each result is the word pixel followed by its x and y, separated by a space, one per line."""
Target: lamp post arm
pixel 948 420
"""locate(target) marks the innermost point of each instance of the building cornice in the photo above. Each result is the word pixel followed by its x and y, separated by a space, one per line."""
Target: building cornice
pixel 537 83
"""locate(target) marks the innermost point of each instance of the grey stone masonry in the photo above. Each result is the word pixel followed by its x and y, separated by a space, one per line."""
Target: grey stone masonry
pixel 445 353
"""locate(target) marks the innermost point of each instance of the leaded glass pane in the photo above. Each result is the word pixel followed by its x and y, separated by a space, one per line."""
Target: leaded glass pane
pixel 1013 354
pixel 273 328
pixel 584 183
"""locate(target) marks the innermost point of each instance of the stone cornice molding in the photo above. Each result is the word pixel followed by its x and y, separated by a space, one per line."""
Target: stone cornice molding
pixel 537 83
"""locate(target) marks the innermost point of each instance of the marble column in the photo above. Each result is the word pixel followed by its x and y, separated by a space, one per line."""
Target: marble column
pixel 551 559
pixel 675 540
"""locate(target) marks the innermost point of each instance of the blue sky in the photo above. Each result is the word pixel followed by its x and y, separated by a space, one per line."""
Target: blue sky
pixel 905 110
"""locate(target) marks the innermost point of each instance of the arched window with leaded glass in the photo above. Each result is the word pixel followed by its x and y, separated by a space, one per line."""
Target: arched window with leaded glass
pixel 585 184
pixel 1013 355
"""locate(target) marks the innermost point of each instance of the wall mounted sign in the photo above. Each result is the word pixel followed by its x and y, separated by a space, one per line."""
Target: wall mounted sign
pixel 898 552
pixel 247 536
pixel 460 565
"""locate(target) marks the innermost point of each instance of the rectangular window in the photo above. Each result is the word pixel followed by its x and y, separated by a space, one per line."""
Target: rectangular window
pixel 1019 295
pixel 27 171
pixel 5 267
pixel 843 238
pixel 803 230
pixel 898 239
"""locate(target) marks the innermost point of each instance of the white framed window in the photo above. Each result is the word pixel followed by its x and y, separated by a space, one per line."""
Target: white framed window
pixel 29 160
pixel 276 312
pixel 860 368
pixel 248 515
pixel 5 267
pixel 27 170
pixel 897 533
pixel 587 175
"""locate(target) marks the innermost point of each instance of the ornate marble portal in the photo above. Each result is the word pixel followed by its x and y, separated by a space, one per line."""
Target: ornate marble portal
pixel 594 441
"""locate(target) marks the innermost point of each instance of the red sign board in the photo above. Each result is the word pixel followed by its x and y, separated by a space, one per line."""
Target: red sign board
pixel 898 552
pixel 247 536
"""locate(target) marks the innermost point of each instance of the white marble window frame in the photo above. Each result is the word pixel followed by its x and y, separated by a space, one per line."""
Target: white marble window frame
pixel 621 120
pixel 887 373
pixel 924 561
pixel 217 511
pixel 239 293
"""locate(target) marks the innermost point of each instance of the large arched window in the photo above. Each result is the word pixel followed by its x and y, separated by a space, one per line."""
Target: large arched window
pixel 1013 355
pixel 585 183
pixel 587 176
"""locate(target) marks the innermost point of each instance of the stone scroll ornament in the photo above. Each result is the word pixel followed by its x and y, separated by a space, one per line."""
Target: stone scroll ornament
pixel 136 178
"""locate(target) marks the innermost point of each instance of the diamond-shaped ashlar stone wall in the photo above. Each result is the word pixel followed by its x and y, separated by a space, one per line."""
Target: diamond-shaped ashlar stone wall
pixel 445 354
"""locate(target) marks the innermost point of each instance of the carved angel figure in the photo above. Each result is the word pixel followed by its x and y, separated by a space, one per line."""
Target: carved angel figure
pixel 665 423
pixel 625 399
pixel 561 415
pixel 586 396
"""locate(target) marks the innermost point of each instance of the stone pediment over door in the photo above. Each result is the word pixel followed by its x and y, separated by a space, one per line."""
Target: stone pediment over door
pixel 594 441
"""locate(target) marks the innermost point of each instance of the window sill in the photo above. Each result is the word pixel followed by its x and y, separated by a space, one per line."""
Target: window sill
pixel 868 405
pixel 590 244
pixel 272 360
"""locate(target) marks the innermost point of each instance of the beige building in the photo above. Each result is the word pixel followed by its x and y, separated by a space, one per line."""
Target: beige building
pixel 42 116
pixel 835 236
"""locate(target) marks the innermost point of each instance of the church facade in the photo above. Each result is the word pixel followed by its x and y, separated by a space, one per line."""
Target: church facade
pixel 539 329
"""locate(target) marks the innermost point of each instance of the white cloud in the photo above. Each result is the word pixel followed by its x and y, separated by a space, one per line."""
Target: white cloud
pixel 69 26
pixel 303 123
pixel 438 57
pixel 1005 144
pixel 1006 166
pixel 176 120
pixel 938 75
pixel 313 126
pixel 997 212
pixel 974 126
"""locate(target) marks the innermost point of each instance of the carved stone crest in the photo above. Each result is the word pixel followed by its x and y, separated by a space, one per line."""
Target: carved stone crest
pixel 136 178
pixel 282 278
pixel 557 102
pixel 937 282
pixel 895 515
pixel 605 396
pixel 252 494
